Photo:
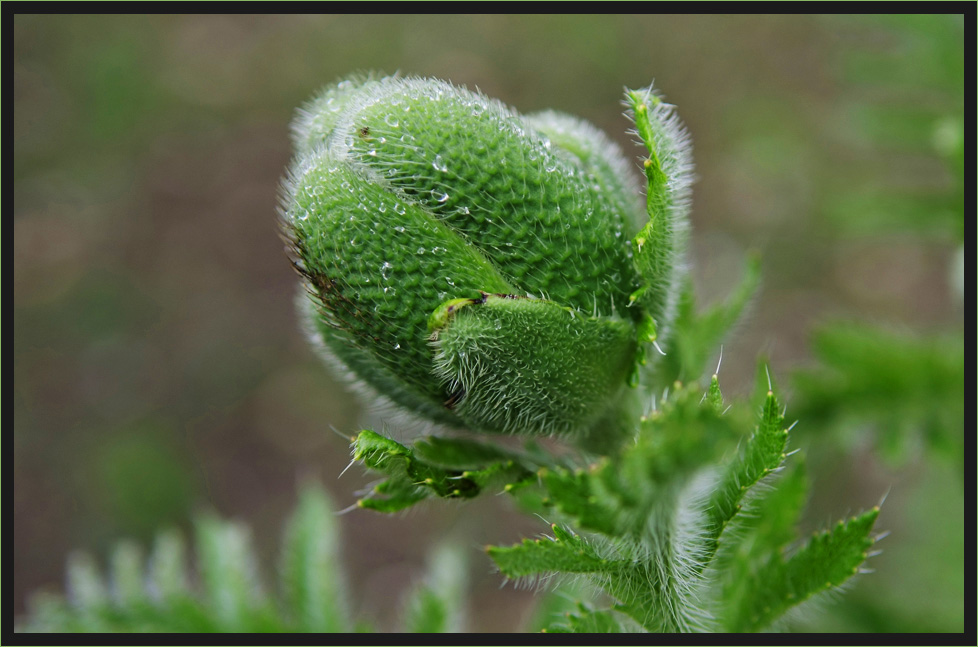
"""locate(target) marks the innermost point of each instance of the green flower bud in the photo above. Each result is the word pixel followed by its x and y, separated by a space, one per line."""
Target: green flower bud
pixel 476 267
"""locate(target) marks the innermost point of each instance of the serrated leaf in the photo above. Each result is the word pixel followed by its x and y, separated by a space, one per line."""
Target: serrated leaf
pixel 565 552
pixel 766 528
pixel 669 172
pixel 616 496
pixel 760 455
pixel 825 562
pixel 411 479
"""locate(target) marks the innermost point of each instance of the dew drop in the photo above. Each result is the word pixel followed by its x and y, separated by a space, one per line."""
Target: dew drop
pixel 421 250
pixel 392 121
pixel 439 164
pixel 399 208
pixel 439 196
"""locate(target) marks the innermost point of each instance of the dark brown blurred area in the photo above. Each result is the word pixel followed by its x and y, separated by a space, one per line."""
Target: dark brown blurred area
pixel 159 369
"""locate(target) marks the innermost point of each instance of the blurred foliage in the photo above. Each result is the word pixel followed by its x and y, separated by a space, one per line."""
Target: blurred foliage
pixel 909 389
pixel 901 382
pixel 152 299
pixel 157 595
pixel 901 392
pixel 908 99
pixel 226 593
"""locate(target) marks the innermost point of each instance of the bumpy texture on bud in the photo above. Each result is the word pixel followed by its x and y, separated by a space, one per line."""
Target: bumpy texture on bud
pixel 474 266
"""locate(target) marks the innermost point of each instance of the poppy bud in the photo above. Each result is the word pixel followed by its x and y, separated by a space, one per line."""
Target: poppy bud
pixel 473 266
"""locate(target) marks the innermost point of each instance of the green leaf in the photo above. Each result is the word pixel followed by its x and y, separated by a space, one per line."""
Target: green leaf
pixel 460 453
pixel 312 580
pixel 620 496
pixel 412 479
pixel 764 530
pixel 760 455
pixel 824 563
pixel 658 247
pixel 564 552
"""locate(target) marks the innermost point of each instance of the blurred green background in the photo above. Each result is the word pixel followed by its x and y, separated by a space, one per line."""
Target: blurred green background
pixel 159 368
